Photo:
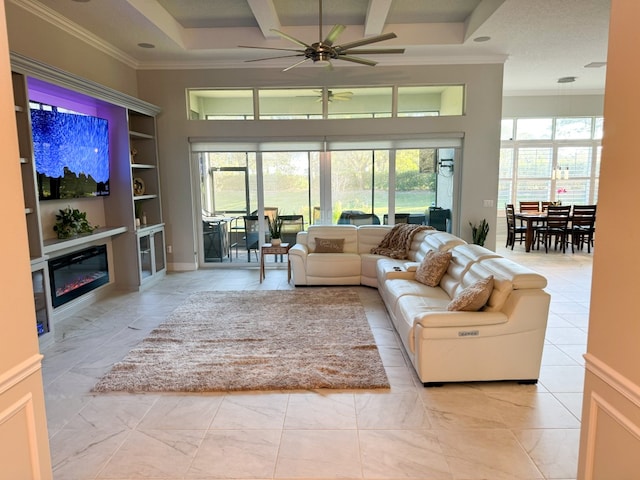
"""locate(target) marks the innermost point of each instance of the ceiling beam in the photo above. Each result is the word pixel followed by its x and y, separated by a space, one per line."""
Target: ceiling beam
pixel 376 18
pixel 480 15
pixel 265 13
pixel 156 14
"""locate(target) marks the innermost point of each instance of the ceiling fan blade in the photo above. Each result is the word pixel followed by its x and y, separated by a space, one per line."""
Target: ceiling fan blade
pixel 372 51
pixel 366 41
pixel 273 48
pixel 333 34
pixel 290 38
pixel 362 61
pixel 295 65
pixel 272 58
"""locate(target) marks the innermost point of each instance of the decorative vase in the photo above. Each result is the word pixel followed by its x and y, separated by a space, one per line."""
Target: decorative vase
pixel 276 242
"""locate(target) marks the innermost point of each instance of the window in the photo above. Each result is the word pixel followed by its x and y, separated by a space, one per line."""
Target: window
pixel 291 182
pixel 573 128
pixel 290 104
pixel 324 102
pixel 425 101
pixel 368 102
pixel 534 128
pixel 220 104
pixel 415 180
pixel 552 159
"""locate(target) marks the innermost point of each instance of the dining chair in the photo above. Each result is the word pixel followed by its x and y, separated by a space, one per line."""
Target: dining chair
pixel 271 212
pixel 364 219
pixel 583 221
pixel 399 218
pixel 439 218
pixel 529 206
pixel 545 205
pixel 291 225
pixel 556 227
pixel 252 233
pixel 514 232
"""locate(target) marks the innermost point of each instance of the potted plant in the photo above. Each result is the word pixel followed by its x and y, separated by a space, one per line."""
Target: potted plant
pixel 479 232
pixel 71 222
pixel 275 230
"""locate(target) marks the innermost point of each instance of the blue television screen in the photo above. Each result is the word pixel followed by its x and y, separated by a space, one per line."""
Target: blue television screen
pixel 71 153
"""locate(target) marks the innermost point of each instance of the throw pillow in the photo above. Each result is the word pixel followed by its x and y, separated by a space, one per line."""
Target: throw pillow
pixel 474 297
pixel 433 267
pixel 329 245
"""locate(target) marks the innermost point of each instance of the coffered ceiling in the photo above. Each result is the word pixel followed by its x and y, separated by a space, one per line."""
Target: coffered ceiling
pixel 539 41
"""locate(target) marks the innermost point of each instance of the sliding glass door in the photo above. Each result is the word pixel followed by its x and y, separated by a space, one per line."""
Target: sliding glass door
pixel 322 187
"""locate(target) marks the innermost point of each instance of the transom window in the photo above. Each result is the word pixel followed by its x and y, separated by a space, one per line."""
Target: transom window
pixel 311 103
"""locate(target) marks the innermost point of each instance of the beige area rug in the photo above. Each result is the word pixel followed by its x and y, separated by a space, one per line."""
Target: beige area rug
pixel 307 338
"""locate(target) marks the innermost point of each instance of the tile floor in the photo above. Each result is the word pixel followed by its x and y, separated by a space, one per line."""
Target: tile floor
pixel 460 431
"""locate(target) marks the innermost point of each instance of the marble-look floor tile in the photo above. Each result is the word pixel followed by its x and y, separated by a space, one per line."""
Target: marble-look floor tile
pixel 321 411
pixel 246 411
pixel 553 355
pixel 114 412
pixel 572 401
pixel 452 409
pixel 466 431
pixel 555 451
pixel 154 453
pixel 236 454
pixel 403 454
pixel 394 411
pixel 190 412
pixel 392 356
pixel 533 410
pixel 81 454
pixel 564 379
pixel 319 454
pixel 481 454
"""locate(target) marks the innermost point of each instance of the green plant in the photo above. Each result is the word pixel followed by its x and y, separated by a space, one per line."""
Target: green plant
pixel 479 232
pixel 275 227
pixel 71 222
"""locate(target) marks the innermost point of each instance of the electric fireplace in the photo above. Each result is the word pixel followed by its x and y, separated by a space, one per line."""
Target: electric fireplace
pixel 77 273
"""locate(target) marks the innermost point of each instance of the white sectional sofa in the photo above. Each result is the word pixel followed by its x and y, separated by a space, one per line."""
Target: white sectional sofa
pixel 501 341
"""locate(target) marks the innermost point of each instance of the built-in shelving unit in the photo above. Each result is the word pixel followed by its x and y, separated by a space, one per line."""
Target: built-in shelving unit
pixel 144 169
pixel 136 249
pixel 39 270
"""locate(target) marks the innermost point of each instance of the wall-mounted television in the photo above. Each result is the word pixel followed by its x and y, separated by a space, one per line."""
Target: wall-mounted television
pixel 71 152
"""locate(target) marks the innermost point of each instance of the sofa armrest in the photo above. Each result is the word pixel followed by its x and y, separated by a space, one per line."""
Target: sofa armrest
pixel 440 319
pixel 299 250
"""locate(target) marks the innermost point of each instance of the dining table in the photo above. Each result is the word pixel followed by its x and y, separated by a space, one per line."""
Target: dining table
pixel 530 219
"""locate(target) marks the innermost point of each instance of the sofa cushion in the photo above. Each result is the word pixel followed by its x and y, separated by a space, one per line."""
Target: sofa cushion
pixel 333 265
pixel 348 232
pixel 370 236
pixel 329 245
pixel 433 267
pixel 473 297
pixel 397 242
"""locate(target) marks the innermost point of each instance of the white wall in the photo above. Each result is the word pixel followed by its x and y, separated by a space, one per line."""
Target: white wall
pixel 480 126
pixel 553 105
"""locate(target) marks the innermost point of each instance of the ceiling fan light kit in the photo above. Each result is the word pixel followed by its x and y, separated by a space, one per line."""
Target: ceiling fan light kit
pixel 323 51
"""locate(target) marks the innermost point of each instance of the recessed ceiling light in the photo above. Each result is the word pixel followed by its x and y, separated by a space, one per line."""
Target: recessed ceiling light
pixel 567 79
pixel 595 65
pixel 146 45
pixel 82 1
pixel 481 39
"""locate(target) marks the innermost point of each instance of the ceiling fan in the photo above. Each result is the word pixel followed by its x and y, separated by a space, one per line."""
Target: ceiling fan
pixel 324 51
pixel 331 96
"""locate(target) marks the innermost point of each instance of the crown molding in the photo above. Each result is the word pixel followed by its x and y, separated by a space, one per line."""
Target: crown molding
pixel 50 16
